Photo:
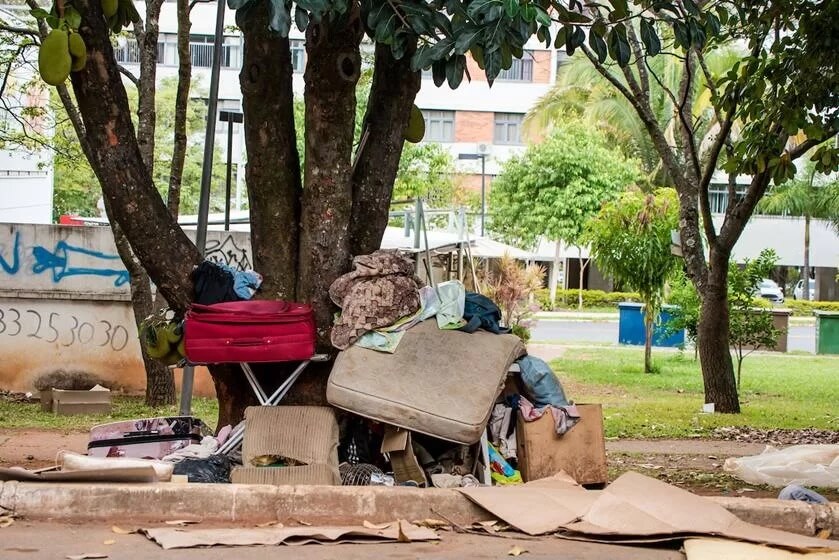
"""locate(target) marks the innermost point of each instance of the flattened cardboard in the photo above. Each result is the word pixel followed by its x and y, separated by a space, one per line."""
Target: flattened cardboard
pixel 133 474
pixel 634 508
pixel 170 538
pixel 94 401
pixel 305 434
pixel 279 476
pixel 717 549
pixel 397 444
pixel 580 452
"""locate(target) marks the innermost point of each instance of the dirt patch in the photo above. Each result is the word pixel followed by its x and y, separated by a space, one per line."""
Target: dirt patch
pixel 35 449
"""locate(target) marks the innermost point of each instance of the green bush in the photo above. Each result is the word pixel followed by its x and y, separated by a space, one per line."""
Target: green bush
pixel 806 308
pixel 567 299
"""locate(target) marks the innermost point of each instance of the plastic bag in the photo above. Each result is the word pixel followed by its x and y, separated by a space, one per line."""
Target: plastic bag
pixel 215 468
pixel 808 465
pixel 541 382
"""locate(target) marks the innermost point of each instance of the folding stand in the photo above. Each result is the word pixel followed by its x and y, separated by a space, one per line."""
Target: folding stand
pixel 236 436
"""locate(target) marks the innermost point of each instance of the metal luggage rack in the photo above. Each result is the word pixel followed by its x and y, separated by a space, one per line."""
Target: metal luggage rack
pixel 235 439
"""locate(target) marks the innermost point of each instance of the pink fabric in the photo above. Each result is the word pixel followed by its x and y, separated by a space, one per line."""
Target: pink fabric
pixel 564 417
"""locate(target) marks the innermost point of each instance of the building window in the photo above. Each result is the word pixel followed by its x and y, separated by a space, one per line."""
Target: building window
pixel 508 128
pixel 439 126
pixel 520 71
pixel 298 55
pixel 129 53
pixel 201 51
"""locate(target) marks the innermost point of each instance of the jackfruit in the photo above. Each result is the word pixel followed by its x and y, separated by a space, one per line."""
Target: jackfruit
pixel 54 61
pixel 78 51
pixel 109 7
pixel 173 332
pixel 155 342
pixel 416 126
pixel 171 358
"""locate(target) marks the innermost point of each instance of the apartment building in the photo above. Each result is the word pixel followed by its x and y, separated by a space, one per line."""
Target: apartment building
pixel 476 123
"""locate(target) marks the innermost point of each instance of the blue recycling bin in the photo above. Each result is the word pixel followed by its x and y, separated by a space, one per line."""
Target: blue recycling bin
pixel 631 326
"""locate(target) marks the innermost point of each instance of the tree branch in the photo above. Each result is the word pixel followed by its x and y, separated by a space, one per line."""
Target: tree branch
pixel 640 60
pixel 128 74
pixel 809 143
pixel 176 169
pixel 194 2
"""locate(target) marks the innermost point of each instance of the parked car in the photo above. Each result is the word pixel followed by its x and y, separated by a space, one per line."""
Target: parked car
pixel 798 291
pixel 769 289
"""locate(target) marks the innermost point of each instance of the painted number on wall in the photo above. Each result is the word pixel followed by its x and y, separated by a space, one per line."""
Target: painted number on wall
pixel 66 330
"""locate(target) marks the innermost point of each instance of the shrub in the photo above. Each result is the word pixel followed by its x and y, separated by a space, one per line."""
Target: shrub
pixel 806 308
pixel 567 299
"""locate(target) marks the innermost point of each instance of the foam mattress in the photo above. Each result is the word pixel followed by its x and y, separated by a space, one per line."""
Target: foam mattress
pixel 441 383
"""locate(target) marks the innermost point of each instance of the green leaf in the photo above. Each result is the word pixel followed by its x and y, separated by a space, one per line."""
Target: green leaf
pixel 618 45
pixel 467 36
pixel 650 38
pixel 511 7
pixel 682 34
pixel 492 65
pixel 576 39
pixel 39 13
pixel 72 17
pixel 697 34
pixel 506 57
pixel 691 7
pixel 544 35
pixel 561 37
pixel 528 13
pixel 52 21
pixel 438 72
pixel 542 16
pixel 422 58
pixel 454 70
pixel 478 55
pixel 620 8
pixel 280 19
pixel 712 24
pixel 301 18
pixel 238 4
pixel 723 15
pixel 598 45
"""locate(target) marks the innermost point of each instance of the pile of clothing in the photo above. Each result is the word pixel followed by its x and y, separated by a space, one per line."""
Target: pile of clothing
pixel 217 283
pixel 381 298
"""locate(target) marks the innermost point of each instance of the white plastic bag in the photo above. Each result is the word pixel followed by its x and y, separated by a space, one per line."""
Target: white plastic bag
pixel 807 465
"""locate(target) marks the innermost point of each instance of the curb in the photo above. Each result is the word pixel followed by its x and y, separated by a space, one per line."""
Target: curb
pixel 320 505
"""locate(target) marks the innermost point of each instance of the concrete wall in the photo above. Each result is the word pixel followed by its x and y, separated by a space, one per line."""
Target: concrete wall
pixel 65 304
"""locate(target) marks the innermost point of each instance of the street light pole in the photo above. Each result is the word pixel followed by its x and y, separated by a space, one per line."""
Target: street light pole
pixel 483 193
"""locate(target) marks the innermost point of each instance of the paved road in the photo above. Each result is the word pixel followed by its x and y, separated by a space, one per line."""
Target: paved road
pixel 25 540
pixel 800 337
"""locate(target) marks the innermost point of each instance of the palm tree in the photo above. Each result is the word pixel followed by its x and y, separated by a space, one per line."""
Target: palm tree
pixel 809 198
pixel 582 92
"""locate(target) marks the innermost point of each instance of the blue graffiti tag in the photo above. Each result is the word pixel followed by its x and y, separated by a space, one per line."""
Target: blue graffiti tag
pixel 60 263
pixel 15 266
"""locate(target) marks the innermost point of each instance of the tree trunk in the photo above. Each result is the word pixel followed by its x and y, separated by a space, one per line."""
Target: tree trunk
pixel 164 249
pixel 582 279
pixel 146 34
pixel 714 352
pixel 176 170
pixel 332 71
pixel 392 94
pixel 805 292
pixel 648 339
pixel 273 168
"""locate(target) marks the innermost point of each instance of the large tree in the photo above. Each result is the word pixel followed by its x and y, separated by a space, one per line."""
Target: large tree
pixel 556 186
pixel 305 227
pixel 784 88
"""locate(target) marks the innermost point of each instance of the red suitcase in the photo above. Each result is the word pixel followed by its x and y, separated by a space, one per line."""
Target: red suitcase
pixel 249 331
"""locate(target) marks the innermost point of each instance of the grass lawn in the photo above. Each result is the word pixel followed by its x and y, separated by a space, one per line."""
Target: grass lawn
pixel 17 415
pixel 777 391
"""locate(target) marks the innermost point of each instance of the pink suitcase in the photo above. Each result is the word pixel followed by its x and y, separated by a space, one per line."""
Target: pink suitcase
pixel 146 438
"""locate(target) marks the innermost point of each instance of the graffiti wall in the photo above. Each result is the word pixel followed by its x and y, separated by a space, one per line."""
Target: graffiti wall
pixel 65 304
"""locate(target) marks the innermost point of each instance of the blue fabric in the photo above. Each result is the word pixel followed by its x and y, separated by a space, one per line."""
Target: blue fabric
pixel 796 492
pixel 245 282
pixel 541 383
pixel 480 312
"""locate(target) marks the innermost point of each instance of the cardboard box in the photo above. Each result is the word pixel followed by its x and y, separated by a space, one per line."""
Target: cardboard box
pixel 305 435
pixel 397 445
pixel 94 401
pixel 580 452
